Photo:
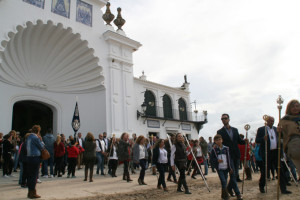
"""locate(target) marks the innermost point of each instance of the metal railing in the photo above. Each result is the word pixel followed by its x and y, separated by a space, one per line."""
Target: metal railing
pixel 191 116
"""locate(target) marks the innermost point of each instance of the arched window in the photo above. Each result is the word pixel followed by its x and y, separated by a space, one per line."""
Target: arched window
pixel 182 109
pixel 150 102
pixel 167 105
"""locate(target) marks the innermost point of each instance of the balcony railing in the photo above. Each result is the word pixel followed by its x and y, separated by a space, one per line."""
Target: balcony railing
pixel 191 116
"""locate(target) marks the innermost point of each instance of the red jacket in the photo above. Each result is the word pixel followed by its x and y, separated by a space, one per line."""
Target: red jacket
pixel 242 151
pixel 59 149
pixel 73 152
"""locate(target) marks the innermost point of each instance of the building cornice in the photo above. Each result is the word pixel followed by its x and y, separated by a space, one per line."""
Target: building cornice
pixel 165 87
pixel 112 36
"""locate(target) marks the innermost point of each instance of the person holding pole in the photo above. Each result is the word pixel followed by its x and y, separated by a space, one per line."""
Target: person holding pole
pixel 179 158
pixel 290 127
pixel 268 135
pixel 231 139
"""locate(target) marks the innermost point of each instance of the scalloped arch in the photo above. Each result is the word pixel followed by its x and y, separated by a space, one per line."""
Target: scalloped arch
pixel 49 57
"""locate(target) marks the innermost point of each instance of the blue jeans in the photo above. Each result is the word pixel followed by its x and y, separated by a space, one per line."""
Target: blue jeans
pixel 205 165
pixel 100 162
pixel 45 163
pixel 232 182
pixel 223 175
pixel 16 160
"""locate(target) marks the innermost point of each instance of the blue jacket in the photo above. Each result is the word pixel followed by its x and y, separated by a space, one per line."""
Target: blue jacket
pixel 34 145
pixel 49 140
pixel 214 157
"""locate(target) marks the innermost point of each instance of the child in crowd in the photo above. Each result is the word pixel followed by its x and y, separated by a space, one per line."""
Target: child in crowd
pixel 221 160
pixel 73 153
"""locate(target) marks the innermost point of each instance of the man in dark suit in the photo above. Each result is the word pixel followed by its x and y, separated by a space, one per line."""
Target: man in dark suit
pixel 231 139
pixel 272 154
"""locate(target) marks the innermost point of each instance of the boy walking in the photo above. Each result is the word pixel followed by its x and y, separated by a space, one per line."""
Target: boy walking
pixel 220 159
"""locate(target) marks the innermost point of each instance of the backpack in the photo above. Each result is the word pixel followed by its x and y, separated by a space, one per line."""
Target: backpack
pixel 256 153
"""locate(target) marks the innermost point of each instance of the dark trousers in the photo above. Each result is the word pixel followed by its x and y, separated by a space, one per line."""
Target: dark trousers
pixel 126 172
pixel 7 165
pixel 58 165
pixel 33 166
pixel 171 173
pixel 272 161
pixel 143 169
pixel 161 169
pixel 236 163
pixel 72 165
pixel 113 164
pixel 232 182
pixel 181 179
pixel 23 180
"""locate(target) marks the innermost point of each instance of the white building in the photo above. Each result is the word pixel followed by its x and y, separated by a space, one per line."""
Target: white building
pixel 53 52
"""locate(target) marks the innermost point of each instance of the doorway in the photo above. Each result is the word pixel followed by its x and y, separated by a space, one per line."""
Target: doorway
pixel 29 113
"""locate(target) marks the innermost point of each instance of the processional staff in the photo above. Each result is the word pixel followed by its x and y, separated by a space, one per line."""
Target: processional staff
pixel 194 158
pixel 246 127
pixel 279 101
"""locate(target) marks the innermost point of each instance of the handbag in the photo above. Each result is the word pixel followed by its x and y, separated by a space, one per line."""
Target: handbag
pixel 45 155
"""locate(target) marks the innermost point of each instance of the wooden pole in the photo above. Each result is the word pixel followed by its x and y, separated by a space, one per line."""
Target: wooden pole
pixel 247 127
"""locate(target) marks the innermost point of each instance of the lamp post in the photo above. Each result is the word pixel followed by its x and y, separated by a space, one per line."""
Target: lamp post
pixel 144 107
pixel 279 106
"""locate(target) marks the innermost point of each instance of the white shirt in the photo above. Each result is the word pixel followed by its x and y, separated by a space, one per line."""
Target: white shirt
pixel 272 137
pixel 80 141
pixel 223 165
pixel 142 152
pixel 163 156
pixel 199 152
pixel 114 154
pixel 103 146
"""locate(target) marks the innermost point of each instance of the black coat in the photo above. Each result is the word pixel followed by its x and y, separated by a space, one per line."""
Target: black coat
pixel 234 150
pixel 260 140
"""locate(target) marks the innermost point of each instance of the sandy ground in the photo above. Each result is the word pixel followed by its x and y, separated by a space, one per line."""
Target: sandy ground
pixel 107 188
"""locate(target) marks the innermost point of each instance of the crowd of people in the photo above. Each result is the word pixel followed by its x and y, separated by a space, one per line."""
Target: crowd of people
pixel 226 153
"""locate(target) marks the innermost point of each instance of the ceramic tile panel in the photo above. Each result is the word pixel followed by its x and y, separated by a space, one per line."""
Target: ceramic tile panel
pixel 37 3
pixel 61 7
pixel 84 13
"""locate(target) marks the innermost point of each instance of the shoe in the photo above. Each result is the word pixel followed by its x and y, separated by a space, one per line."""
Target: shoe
pixel 85 179
pixel 45 176
pixel 169 180
pixel 193 177
pixel 140 182
pixel 23 186
pixel 5 176
pixel 38 181
pixel 179 190
pixel 144 183
pixel 68 176
pixel 230 192
pixel 175 181
pixel 262 190
pixel 166 189
pixel 15 170
pixel 239 197
pixel 273 178
pixel 50 176
pixel 73 176
pixel 239 180
pixel 159 187
pixel 59 175
pixel 11 175
pixel 286 192
pixel 288 184
pixel 187 192
pixel 102 174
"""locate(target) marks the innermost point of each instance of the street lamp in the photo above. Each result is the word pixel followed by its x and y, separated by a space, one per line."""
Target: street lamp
pixel 139 114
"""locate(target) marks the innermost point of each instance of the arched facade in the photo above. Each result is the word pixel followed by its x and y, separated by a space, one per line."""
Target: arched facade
pixel 150 101
pixel 182 109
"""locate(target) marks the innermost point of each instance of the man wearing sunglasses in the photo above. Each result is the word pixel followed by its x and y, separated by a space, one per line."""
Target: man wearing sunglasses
pixel 231 139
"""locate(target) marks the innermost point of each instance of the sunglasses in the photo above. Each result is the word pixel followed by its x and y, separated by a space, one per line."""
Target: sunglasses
pixel 224 118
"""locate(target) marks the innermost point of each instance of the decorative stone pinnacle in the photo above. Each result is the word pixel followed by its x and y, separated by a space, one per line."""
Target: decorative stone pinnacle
pixel 108 16
pixel 119 21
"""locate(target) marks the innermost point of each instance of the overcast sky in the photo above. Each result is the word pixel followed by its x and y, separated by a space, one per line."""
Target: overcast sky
pixel 238 55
